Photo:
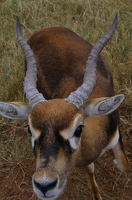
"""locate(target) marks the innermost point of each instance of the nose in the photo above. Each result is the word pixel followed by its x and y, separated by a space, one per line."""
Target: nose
pixel 45 182
pixel 45 187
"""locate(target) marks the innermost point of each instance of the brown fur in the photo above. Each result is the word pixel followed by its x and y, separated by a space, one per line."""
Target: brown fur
pixel 61 59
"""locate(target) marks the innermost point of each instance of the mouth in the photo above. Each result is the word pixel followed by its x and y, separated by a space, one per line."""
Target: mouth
pixel 48 195
pixel 48 198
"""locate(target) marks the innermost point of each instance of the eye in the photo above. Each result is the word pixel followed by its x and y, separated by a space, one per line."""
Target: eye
pixel 78 131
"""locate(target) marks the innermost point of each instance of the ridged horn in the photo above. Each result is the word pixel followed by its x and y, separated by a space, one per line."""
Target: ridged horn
pixel 30 79
pixel 78 97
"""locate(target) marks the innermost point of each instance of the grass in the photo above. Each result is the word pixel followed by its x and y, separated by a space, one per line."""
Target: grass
pixel 88 18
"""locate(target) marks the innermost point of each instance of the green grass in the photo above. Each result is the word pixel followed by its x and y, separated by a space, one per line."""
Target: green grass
pixel 88 18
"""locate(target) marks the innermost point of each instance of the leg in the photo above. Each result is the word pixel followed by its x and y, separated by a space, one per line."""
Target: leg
pixel 90 170
pixel 121 160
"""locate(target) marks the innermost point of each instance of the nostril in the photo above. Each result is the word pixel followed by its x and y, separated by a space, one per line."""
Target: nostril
pixel 46 187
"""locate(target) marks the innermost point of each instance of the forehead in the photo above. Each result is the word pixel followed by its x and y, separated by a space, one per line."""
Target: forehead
pixel 47 120
pixel 55 113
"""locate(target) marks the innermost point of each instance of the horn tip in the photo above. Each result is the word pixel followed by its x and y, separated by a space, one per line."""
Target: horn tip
pixel 116 17
pixel 115 21
pixel 18 26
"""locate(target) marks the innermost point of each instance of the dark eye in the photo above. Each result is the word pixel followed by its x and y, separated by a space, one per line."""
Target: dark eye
pixel 29 130
pixel 78 131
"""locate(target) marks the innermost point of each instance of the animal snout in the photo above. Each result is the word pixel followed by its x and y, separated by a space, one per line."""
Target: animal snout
pixel 45 187
pixel 46 184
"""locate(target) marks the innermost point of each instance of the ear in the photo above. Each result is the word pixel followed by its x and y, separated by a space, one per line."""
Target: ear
pixel 15 110
pixel 102 106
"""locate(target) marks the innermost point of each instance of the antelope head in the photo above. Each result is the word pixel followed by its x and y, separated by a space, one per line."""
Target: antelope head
pixel 56 125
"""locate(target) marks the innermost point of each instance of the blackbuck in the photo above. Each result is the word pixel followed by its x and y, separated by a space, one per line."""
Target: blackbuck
pixel 72 112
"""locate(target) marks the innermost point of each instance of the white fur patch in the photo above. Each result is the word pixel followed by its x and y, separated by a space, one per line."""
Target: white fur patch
pixel 118 161
pixel 75 142
pixel 69 132
pixel 35 133
pixel 112 143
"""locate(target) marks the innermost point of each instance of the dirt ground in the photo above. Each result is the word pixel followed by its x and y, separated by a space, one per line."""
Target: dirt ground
pixel 15 179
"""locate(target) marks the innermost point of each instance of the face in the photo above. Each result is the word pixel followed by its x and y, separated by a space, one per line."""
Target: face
pixel 56 128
